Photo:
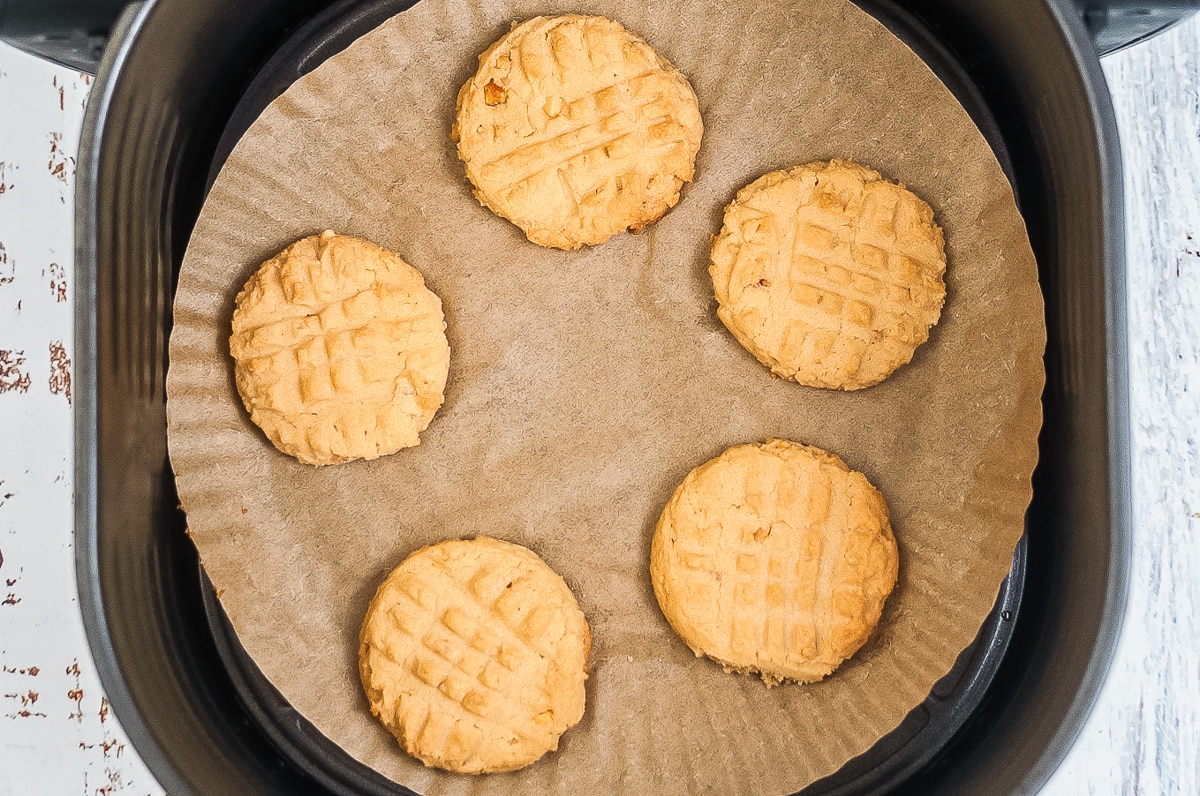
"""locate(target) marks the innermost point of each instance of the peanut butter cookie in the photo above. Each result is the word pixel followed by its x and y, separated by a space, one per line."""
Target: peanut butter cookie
pixel 474 654
pixel 340 350
pixel 829 274
pixel 574 129
pixel 774 558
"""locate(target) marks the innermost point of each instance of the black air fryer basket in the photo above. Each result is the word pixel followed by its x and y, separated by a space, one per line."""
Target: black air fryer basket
pixel 182 79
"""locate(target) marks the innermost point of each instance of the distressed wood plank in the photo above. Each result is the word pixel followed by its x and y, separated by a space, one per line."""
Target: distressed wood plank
pixel 57 732
pixel 1144 735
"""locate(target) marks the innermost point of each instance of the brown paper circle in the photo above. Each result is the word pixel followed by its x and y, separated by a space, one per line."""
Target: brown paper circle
pixel 584 386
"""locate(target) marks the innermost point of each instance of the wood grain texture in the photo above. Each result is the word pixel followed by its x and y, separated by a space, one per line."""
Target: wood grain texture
pixel 58 734
pixel 1144 735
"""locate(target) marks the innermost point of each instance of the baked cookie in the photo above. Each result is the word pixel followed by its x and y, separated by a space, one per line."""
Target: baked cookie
pixel 774 558
pixel 473 653
pixel 340 350
pixel 574 129
pixel 829 274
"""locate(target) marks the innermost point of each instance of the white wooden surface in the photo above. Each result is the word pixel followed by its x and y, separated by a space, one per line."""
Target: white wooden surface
pixel 57 735
pixel 1144 735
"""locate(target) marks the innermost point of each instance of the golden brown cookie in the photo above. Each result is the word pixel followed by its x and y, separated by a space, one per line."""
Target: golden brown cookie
pixel 474 653
pixel 829 274
pixel 340 350
pixel 774 558
pixel 574 129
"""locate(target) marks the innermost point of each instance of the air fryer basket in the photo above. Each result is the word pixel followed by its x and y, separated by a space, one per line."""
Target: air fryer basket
pixel 165 114
pixel 923 733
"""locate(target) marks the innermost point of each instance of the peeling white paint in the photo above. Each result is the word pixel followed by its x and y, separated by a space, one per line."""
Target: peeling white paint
pixel 57 735
pixel 1144 735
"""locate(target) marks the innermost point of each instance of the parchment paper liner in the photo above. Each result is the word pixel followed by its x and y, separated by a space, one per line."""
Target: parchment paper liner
pixel 584 386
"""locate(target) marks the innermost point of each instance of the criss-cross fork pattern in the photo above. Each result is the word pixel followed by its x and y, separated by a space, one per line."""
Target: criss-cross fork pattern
pixel 589 127
pixel 772 573
pixel 775 558
pixel 340 352
pixel 857 283
pixel 336 351
pixel 473 641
